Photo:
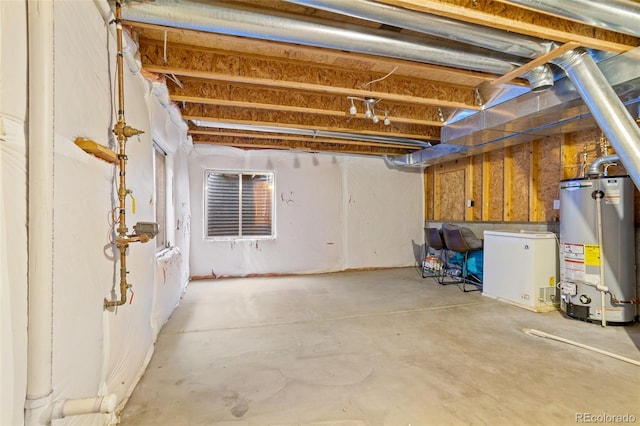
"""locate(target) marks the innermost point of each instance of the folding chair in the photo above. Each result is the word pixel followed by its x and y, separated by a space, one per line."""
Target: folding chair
pixel 463 240
pixel 434 241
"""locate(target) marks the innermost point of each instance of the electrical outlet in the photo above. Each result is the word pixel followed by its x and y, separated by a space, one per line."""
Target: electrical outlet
pixel 556 204
pixel 469 203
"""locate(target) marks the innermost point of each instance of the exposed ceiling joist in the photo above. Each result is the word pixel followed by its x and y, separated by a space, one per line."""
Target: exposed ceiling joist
pixel 228 78
pixel 499 14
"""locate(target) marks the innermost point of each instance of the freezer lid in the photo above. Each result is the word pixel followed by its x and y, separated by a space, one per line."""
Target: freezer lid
pixel 522 234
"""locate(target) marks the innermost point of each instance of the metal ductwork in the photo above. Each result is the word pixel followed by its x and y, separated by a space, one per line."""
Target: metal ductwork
pixel 594 168
pixel 534 116
pixel 621 16
pixel 540 78
pixel 476 35
pixel 245 21
pixel 609 112
pixel 526 117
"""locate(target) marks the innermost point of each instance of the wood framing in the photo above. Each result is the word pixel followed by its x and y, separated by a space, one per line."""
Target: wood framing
pixel 486 193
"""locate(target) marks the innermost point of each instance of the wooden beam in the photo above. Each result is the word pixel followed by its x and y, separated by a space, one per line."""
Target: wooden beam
pixel 486 193
pixel 521 21
pixel 271 136
pixel 315 55
pixel 310 146
pixel 437 197
pixel 535 63
pixel 468 189
pixel 429 177
pixel 292 108
pixel 534 182
pixel 307 127
pixel 507 179
pixel 568 157
pixel 319 88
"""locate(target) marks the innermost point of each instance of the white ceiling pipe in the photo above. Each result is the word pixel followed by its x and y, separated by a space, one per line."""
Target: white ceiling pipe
pixel 607 109
pixel 40 209
pixel 39 408
pixel 620 16
pixel 245 21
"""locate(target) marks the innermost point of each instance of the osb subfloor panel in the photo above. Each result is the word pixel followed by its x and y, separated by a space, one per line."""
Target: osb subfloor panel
pixel 376 348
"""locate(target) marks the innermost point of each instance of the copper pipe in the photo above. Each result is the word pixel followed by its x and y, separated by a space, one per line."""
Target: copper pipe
pixel 122 131
pixel 120 124
pixel 124 242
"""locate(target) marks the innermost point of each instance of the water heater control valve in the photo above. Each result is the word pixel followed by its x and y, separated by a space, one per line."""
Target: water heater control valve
pixel 568 288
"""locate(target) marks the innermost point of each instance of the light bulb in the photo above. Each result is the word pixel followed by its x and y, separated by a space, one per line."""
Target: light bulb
pixel 353 110
pixel 386 121
pixel 368 113
pixel 375 119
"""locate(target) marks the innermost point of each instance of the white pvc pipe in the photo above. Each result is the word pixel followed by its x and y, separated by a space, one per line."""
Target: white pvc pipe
pixel 39 410
pixel 538 333
pixel 603 314
pixel 74 407
pixel 40 207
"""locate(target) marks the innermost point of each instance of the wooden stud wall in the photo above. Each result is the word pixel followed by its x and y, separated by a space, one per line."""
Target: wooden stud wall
pixel 520 172
pixel 496 186
pixel 550 175
pixel 534 182
pixel 258 69
pixel 507 185
pixel 429 183
pixel 450 190
pixel 518 183
pixel 478 165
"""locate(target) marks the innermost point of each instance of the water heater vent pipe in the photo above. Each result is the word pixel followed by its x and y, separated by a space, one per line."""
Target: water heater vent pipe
pixel 594 168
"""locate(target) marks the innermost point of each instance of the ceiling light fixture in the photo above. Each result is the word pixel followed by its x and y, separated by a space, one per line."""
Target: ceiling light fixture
pixel 370 111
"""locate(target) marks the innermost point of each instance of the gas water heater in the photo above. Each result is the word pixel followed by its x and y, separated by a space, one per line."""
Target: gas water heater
pixel 597 249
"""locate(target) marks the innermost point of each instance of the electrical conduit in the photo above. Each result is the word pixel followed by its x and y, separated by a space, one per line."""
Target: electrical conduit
pixel 538 333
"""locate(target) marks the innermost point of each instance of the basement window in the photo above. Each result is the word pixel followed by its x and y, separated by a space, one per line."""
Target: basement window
pixel 239 204
pixel 161 196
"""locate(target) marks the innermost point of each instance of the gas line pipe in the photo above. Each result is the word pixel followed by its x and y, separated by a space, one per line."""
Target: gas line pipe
pixel 122 132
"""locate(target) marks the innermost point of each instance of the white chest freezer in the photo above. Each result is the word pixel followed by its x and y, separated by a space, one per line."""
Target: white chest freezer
pixel 521 268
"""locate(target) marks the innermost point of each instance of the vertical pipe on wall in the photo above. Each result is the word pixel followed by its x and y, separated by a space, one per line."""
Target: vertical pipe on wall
pixel 122 132
pixel 39 408
pixel 40 208
pixel 609 112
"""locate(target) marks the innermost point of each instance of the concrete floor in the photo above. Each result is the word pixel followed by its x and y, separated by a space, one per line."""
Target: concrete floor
pixel 382 347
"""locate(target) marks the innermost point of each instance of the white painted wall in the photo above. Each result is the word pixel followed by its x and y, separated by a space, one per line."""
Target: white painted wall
pixel 333 213
pixel 94 351
pixel 13 233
